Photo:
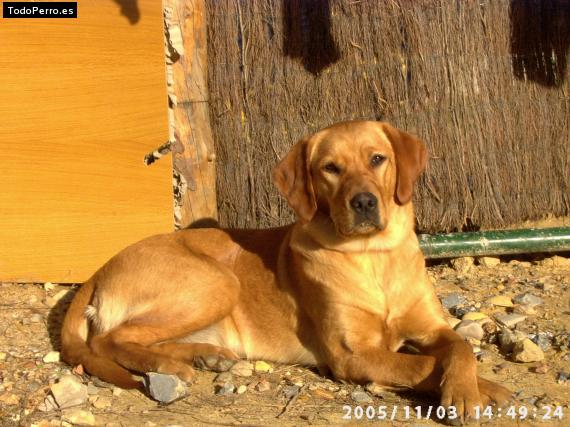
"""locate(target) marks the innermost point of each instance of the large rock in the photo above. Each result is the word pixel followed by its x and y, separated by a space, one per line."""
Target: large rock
pixel 509 320
pixel 528 299
pixel 453 300
pixel 500 301
pixel 165 388
pixel 69 391
pixel 527 351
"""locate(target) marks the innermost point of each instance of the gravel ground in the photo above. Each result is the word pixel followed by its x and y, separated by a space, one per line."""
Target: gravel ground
pixel 36 389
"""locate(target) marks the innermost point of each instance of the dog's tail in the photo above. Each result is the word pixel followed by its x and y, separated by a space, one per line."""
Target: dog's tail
pixel 74 348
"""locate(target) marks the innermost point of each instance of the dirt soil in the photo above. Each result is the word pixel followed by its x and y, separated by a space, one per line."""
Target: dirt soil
pixel 30 318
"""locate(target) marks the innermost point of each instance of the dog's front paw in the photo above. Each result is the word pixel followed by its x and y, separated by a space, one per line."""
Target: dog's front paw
pixel 492 393
pixel 460 396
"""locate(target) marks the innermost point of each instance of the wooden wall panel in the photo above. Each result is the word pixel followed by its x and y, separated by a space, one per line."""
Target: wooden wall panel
pixel 81 103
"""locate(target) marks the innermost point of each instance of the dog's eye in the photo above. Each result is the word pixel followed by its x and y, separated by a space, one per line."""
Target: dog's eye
pixel 332 168
pixel 377 160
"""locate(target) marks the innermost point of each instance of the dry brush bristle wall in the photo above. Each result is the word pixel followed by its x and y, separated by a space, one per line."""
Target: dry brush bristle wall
pixel 483 82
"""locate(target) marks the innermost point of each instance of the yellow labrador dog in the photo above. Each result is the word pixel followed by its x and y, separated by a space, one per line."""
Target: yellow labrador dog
pixel 345 286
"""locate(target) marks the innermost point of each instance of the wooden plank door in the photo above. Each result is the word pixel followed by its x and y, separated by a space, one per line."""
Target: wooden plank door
pixel 81 103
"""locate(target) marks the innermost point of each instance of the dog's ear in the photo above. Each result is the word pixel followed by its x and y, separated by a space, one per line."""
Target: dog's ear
pixel 292 176
pixel 411 158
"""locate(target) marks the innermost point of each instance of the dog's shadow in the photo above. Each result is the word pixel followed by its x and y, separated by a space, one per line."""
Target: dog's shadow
pixel 56 315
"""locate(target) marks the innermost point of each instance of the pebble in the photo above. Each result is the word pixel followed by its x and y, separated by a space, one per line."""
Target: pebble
pixel 241 389
pixel 225 389
pixel 508 339
pixel 500 301
pixel 36 318
pixel 527 351
pixel 360 396
pixel 263 367
pixel 563 377
pixel 223 377
pixel 48 286
pixel 102 402
pixel 263 385
pixel 541 368
pixel 242 369
pixel 78 417
pixel 453 300
pixel 509 320
pixel 69 391
pixel 2 356
pixel 463 264
pixel 51 357
pixel 165 388
pixel 528 299
pixel 470 329
pixel 474 315
pixel 375 389
pixel 291 390
pixel 489 261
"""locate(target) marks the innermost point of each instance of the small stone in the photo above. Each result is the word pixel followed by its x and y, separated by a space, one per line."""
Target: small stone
pixel 36 318
pixel 500 301
pixel 290 391
pixel 470 329
pixel 225 389
pixel 562 377
pixel 51 357
pixel 78 417
pixel 117 391
pixel 489 261
pixel 453 300
pixel 463 264
pixel 263 385
pixel 165 388
pixel 263 367
pixel 102 402
pixel 52 301
pixel 541 368
pixel 508 339
pixel 223 377
pixel 509 320
pixel 474 315
pixel 2 356
pixel 241 389
pixel 69 391
pixel 528 299
pixel 527 351
pixel 375 389
pixel 360 396
pixel 48 286
pixel 242 369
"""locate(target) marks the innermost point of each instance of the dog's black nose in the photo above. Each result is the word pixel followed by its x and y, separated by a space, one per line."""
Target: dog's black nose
pixel 364 203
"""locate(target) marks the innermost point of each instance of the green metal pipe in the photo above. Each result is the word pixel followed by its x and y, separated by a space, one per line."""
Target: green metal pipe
pixel 500 242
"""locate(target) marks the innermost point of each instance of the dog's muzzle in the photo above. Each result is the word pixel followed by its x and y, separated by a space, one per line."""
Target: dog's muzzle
pixel 365 208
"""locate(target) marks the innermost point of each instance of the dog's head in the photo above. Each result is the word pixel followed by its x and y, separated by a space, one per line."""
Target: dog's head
pixel 353 172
